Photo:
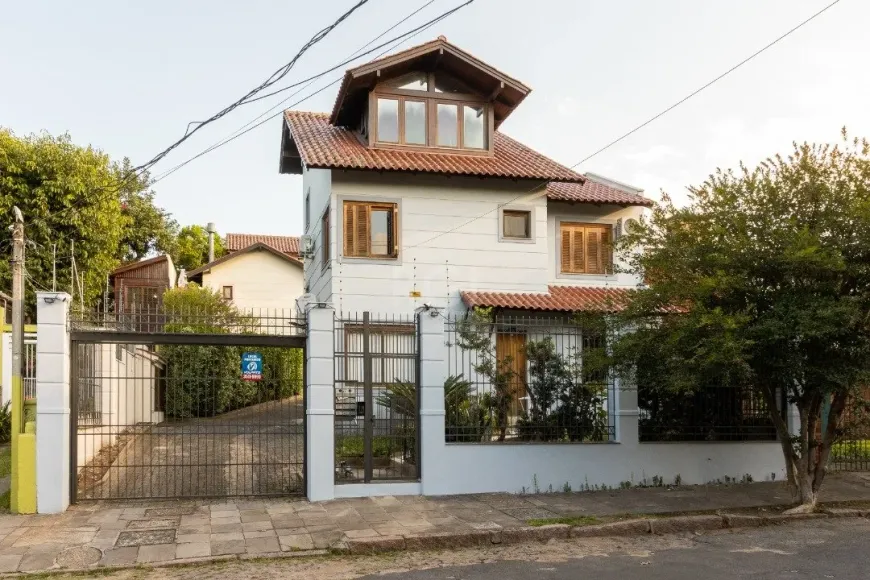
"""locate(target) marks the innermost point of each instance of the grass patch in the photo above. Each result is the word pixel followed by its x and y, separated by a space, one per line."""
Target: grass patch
pixel 575 521
pixel 5 461
pixel 352 446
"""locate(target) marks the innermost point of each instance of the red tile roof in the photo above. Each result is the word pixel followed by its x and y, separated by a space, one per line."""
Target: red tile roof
pixel 558 298
pixel 594 192
pixel 285 244
pixel 322 145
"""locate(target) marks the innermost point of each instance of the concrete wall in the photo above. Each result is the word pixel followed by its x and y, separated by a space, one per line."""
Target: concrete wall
pixel 262 282
pixel 514 467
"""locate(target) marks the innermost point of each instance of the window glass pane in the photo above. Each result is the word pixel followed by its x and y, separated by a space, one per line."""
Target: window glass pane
pixel 447 125
pixel 516 224
pixel 380 232
pixel 415 122
pixel 474 127
pixel 388 120
pixel 446 84
pixel 412 82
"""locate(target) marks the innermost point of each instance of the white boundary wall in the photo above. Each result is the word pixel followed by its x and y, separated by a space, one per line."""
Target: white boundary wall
pixel 459 468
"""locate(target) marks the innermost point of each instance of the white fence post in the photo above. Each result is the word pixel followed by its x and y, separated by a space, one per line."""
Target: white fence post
pixel 627 412
pixel 432 358
pixel 52 402
pixel 320 404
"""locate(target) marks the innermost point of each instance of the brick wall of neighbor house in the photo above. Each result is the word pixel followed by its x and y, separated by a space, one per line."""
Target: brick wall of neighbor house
pixel 260 281
pixel 316 184
pixel 472 257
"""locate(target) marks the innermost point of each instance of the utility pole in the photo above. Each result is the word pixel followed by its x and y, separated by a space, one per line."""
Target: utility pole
pixel 72 269
pixel 54 267
pixel 210 228
pixel 17 345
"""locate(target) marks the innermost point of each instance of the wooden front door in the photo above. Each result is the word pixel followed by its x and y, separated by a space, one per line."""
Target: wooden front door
pixel 511 347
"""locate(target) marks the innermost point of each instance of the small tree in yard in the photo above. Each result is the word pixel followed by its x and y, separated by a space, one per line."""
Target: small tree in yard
pixel 766 274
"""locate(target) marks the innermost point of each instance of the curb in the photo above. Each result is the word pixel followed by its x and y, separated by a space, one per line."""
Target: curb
pixel 543 534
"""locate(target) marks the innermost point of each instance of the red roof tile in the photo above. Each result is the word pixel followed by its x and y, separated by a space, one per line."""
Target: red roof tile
pixel 594 192
pixel 322 145
pixel 285 244
pixel 558 298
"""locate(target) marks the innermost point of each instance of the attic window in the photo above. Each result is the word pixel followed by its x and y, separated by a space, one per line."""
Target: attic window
pixel 432 110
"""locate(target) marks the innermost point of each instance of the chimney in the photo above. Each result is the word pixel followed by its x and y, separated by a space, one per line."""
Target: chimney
pixel 211 231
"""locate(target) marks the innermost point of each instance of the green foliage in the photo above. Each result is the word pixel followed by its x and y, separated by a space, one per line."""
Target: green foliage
pixel 191 247
pixel 5 461
pixel 68 192
pixel 203 381
pixel 769 272
pixel 348 446
pixel 5 423
pixel 568 399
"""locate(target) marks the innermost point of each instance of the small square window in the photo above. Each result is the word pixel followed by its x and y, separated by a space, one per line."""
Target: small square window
pixel 517 225
pixel 227 292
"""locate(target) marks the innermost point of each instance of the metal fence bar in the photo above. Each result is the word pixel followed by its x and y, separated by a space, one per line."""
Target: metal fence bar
pixel 376 399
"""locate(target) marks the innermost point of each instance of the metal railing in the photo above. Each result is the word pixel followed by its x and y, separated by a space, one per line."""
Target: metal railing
pixel 518 379
pixel 376 399
pixel 709 414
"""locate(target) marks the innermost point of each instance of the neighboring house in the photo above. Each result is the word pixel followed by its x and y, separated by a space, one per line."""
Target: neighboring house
pixel 413 196
pixel 139 286
pixel 259 273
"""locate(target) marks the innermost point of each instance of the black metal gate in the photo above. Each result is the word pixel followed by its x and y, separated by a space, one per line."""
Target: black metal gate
pixel 172 410
pixel 852 451
pixel 376 400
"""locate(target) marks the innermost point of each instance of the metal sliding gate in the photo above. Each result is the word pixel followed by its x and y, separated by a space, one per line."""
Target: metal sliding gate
pixel 184 411
pixel 376 400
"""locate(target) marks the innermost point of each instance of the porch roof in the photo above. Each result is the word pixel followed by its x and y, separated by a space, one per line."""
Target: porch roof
pixel 556 299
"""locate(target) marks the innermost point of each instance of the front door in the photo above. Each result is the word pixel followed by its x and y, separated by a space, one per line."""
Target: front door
pixel 510 352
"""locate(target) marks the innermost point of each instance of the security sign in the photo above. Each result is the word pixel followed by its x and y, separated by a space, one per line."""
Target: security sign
pixel 252 366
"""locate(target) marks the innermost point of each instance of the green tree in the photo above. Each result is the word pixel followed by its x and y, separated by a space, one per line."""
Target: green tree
pixel 762 282
pixel 71 194
pixel 191 247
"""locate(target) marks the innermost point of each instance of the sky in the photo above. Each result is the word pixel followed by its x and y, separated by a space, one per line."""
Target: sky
pixel 127 77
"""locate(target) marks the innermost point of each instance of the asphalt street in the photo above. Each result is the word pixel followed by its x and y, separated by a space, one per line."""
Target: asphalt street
pixel 819 550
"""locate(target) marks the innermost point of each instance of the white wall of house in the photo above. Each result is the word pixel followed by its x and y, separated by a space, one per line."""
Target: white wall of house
pixel 463 256
pixel 125 386
pixel 261 281
pixel 316 188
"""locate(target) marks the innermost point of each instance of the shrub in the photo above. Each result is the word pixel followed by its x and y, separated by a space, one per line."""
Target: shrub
pixel 5 423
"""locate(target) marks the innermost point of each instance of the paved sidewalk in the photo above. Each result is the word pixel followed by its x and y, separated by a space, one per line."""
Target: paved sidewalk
pixel 113 534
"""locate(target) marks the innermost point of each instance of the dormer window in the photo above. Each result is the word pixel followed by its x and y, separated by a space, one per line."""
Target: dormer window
pixel 429 110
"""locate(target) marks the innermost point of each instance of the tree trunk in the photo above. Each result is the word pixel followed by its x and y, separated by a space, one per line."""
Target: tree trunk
pixel 806 495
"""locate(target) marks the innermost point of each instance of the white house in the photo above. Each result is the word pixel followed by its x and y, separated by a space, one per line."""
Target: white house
pixel 258 273
pixel 413 197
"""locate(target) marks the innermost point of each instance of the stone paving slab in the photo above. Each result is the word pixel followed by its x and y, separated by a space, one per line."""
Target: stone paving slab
pixel 160 532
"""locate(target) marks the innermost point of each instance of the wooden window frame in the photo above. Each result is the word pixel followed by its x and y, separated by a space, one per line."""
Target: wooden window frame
pixel 224 293
pixel 324 239
pixel 603 250
pixel 432 99
pixel 530 214
pixel 349 251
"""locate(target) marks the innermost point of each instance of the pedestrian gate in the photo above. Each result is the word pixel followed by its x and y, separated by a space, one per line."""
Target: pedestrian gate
pixel 184 405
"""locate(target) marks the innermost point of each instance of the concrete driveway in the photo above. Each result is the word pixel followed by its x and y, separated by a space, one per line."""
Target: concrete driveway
pixel 258 450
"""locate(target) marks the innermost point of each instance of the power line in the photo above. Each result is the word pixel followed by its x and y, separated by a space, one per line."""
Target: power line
pixel 276 76
pixel 404 38
pixel 645 123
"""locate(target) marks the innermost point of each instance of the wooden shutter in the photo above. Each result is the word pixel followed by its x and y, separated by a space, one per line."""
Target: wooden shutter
pixel 607 250
pixel 361 241
pixel 349 230
pixel 567 248
pixel 593 251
